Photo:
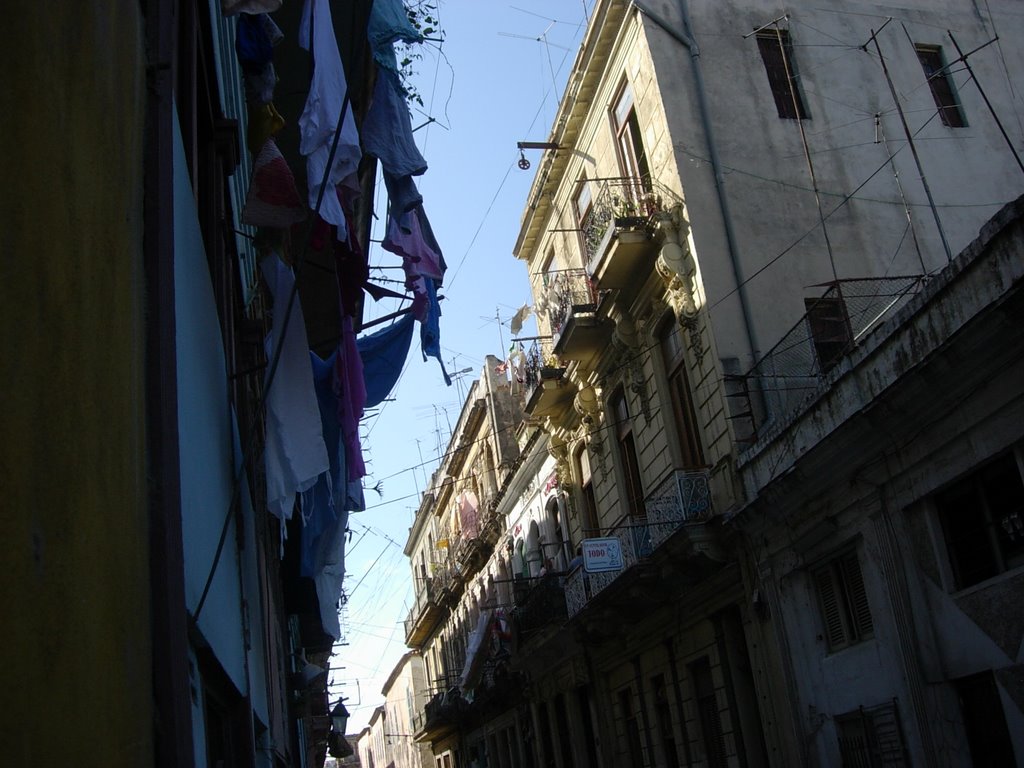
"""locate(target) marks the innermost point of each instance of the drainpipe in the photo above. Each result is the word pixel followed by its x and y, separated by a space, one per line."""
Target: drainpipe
pixel 172 712
pixel 685 38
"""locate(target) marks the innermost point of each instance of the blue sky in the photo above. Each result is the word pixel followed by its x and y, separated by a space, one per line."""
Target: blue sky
pixel 496 81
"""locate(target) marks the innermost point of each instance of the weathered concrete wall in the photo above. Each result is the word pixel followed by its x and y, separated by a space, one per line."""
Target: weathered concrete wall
pixel 74 592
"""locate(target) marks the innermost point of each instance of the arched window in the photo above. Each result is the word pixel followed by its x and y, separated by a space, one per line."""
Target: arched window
pixel 519 566
pixel 534 557
pixel 555 533
pixel 504 590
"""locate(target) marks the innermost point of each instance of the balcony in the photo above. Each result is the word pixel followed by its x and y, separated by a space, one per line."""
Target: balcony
pixel 471 554
pixel 681 501
pixel 423 616
pixel 548 391
pixel 618 235
pixel 578 330
pixel 442 715
pixel 797 368
pixel 539 603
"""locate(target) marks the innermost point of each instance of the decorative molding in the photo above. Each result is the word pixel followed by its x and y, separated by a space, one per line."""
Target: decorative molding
pixel 674 267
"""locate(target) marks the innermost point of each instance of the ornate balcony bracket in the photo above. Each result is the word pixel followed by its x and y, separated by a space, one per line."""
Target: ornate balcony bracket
pixel 673 266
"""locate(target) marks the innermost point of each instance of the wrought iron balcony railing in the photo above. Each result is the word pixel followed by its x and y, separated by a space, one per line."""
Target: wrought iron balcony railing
pixel 796 368
pixel 540 603
pixel 622 203
pixel 536 368
pixel 683 497
pixel 565 291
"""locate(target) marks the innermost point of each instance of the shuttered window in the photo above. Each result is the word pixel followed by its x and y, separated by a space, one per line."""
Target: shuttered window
pixel 709 714
pixel 845 612
pixel 871 736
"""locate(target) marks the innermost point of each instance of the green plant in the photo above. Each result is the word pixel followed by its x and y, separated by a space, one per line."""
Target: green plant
pixel 423 17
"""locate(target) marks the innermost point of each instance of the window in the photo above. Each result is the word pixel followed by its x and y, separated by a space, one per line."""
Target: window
pixel 632 156
pixel 871 736
pixel 588 505
pixel 982 519
pixel 633 491
pixel 777 53
pixel 562 722
pixel 830 330
pixel 663 717
pixel 631 728
pixel 590 232
pixel 671 338
pixel 709 715
pixel 988 738
pixel 941 84
pixel 845 612
pixel 548 759
pixel 589 737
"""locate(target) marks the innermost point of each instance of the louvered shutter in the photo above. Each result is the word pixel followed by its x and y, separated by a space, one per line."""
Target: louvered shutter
pixel 831 607
pixel 860 611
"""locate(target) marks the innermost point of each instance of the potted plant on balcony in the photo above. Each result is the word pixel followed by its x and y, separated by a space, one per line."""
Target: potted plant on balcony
pixel 552 369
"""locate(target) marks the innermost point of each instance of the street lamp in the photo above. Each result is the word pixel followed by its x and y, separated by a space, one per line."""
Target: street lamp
pixel 339 717
pixel 337 746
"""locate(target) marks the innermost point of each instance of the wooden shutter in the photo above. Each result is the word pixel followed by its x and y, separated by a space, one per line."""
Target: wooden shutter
pixel 857 599
pixel 830 597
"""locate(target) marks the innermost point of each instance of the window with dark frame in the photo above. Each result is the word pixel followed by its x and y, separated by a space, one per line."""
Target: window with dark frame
pixel 631 728
pixel 563 732
pixel 671 339
pixel 708 713
pixel 982 519
pixel 628 138
pixel 988 736
pixel 583 209
pixel 871 736
pixel 547 740
pixel 776 49
pixel 663 716
pixel 941 85
pixel 843 601
pixel 589 736
pixel 634 491
pixel 588 510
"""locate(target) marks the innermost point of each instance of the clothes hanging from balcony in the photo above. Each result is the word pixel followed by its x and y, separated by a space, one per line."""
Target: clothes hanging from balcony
pixel 325 508
pixel 295 455
pixel 351 271
pixel 469 518
pixel 516 324
pixel 273 200
pixel 319 120
pixel 350 390
pixel 255 39
pixel 383 355
pixel 430 328
pixel 387 128
pixel 405 237
pixel 389 23
pixel 403 196
pixel 476 651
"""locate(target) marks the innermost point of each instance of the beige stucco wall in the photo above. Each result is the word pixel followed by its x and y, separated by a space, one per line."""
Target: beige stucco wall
pixel 74 588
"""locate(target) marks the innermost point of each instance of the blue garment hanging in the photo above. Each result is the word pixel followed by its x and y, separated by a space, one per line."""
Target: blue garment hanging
pixel 430 329
pixel 384 353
